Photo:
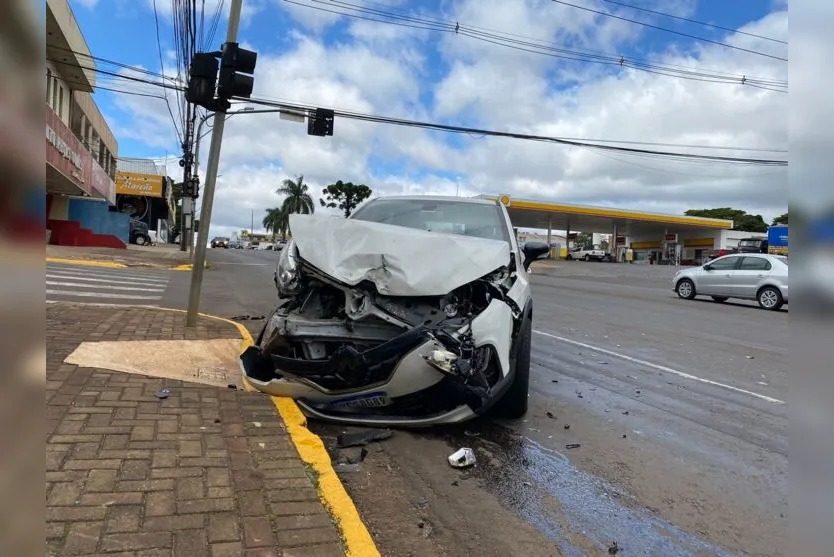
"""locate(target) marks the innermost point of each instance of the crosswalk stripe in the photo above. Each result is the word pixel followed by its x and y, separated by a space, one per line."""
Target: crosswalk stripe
pixel 72 276
pixel 73 293
pixel 109 274
pixel 105 286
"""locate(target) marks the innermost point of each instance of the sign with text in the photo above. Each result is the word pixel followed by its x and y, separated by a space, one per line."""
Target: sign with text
pixel 66 154
pixel 671 238
pixel 133 183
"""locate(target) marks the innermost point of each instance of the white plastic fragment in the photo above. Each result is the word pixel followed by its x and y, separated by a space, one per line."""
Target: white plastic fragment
pixel 462 458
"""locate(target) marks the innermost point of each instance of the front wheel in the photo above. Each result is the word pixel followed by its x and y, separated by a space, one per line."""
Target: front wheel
pixel 140 240
pixel 513 404
pixel 686 289
pixel 770 298
pixel 587 258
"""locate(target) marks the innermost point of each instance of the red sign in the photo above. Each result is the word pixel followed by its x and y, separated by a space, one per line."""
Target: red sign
pixel 671 238
pixel 67 154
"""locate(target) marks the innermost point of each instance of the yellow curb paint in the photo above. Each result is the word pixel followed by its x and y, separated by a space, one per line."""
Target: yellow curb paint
pixel 87 262
pixel 358 541
pixel 187 267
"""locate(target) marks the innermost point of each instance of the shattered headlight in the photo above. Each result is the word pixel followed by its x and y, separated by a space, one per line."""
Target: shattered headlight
pixel 286 272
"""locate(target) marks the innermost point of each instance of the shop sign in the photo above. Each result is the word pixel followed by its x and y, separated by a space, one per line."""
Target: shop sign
pixel 134 183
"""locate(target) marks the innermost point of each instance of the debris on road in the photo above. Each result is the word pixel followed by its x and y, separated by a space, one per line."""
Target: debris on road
pixel 217 420
pixel 247 318
pixel 625 413
pixel 462 458
pixel 567 426
pixel 554 380
pixel 163 394
pixel 572 446
pixel 455 483
pixel 613 549
pixel 551 416
pixel 624 435
pixel 361 438
pixel 232 386
pixel 749 357
pixel 603 363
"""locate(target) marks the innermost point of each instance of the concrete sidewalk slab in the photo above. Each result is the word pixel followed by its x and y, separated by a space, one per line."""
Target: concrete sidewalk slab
pixel 205 471
pixel 163 256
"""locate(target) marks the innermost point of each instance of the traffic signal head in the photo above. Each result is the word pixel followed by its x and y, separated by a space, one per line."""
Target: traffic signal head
pixel 202 79
pixel 235 64
pixel 320 122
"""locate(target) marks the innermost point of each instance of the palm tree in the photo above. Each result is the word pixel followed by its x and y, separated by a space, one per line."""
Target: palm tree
pixel 271 220
pixel 297 197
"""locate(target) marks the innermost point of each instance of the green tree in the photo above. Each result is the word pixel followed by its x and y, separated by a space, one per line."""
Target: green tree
pixel 296 196
pixel 741 220
pixel 781 219
pixel 345 196
pixel 583 241
pixel 276 221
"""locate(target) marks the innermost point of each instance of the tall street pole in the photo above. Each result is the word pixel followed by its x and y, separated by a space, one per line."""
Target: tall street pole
pixel 208 193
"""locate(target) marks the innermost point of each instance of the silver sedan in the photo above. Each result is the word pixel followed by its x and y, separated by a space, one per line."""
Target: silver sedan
pixel 759 277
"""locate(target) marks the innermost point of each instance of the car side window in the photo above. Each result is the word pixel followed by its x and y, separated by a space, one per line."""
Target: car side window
pixel 755 264
pixel 725 264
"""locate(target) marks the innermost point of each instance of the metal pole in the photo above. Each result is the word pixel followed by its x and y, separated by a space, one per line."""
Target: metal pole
pixel 208 192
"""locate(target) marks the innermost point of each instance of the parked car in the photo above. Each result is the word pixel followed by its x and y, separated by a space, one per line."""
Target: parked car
pixel 594 254
pixel 139 234
pixel 220 242
pixel 413 311
pixel 759 277
pixel 252 245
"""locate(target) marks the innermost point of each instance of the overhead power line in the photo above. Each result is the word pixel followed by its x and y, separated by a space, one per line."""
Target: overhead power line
pixel 162 69
pixel 531 137
pixel 695 21
pixel 665 30
pixel 535 46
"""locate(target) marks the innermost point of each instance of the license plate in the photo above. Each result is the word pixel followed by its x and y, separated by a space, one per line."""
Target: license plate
pixel 368 400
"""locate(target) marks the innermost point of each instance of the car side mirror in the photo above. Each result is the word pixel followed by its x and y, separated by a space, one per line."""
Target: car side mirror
pixel 533 250
pixel 708 267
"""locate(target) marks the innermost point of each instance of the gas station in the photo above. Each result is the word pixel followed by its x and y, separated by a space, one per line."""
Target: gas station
pixel 670 239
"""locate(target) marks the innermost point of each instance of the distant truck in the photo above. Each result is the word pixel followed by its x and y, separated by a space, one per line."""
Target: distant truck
pixel 777 239
pixel 753 245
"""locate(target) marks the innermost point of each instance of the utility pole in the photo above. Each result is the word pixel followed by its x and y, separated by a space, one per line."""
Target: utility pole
pixel 187 198
pixel 252 229
pixel 226 80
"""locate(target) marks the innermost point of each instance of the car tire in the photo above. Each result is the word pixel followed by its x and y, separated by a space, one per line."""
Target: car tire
pixel 685 289
pixel 770 298
pixel 513 404
pixel 720 299
pixel 569 257
pixel 587 258
pixel 140 240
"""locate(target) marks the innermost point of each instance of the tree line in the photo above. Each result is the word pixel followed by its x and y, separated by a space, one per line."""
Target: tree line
pixel 345 196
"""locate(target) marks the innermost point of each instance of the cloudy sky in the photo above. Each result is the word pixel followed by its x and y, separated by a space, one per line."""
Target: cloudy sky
pixel 525 84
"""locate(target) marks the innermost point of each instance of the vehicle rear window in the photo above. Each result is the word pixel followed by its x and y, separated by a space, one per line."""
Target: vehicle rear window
pixel 479 220
pixel 755 264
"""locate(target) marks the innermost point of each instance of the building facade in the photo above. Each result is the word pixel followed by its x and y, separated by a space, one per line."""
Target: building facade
pixel 81 151
pixel 145 193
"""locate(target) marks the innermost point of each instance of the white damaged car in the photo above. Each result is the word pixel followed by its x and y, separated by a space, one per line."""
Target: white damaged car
pixel 415 311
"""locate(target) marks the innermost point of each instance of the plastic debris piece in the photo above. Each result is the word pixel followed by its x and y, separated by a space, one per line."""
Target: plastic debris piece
pixel 567 426
pixel 749 357
pixel 554 380
pixel 624 435
pixel 462 458
pixel 625 413
pixel 163 393
pixel 613 549
pixel 361 438
pixel 572 446
pixel 551 416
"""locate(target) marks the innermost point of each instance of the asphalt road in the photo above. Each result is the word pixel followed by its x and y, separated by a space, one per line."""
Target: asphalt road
pixel 678 408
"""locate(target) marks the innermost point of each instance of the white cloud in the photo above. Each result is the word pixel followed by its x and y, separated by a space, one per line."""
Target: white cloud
pixel 386 70
pixel 89 4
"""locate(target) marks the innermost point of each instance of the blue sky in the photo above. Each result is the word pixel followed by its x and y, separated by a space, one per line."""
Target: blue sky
pixel 313 57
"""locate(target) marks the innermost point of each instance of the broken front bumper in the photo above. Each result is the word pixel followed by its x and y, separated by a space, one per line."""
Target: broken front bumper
pixel 398 385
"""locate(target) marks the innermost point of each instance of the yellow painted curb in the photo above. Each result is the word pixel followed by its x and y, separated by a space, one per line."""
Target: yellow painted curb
pixel 87 262
pixel 358 541
pixel 188 267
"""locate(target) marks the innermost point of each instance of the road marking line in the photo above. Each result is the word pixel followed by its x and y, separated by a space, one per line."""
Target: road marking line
pixel 70 276
pixel 660 367
pixel 105 286
pixel 73 293
pixel 86 262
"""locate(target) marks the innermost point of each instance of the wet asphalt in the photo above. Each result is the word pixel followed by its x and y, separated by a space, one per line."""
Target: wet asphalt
pixel 678 408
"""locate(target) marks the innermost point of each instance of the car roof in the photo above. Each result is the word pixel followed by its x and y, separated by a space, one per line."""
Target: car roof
pixel 472 200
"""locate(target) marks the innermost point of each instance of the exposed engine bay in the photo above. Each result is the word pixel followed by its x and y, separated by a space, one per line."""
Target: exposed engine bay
pixel 345 349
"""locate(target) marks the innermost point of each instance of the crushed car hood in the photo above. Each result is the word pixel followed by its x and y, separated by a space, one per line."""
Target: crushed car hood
pixel 399 261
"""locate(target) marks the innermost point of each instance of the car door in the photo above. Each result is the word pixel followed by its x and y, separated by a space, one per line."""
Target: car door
pixel 750 273
pixel 716 278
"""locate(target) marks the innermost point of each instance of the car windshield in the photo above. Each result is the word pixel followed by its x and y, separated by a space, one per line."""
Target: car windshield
pixel 479 220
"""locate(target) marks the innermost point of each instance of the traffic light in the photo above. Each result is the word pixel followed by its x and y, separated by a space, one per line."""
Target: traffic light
pixel 235 64
pixel 191 188
pixel 320 122
pixel 202 79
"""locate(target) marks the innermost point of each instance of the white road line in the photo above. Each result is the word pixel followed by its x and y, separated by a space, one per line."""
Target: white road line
pixel 105 286
pixel 73 293
pixel 67 276
pixel 115 276
pixel 661 368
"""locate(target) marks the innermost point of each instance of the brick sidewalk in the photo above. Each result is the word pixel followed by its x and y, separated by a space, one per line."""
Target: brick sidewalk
pixel 204 472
